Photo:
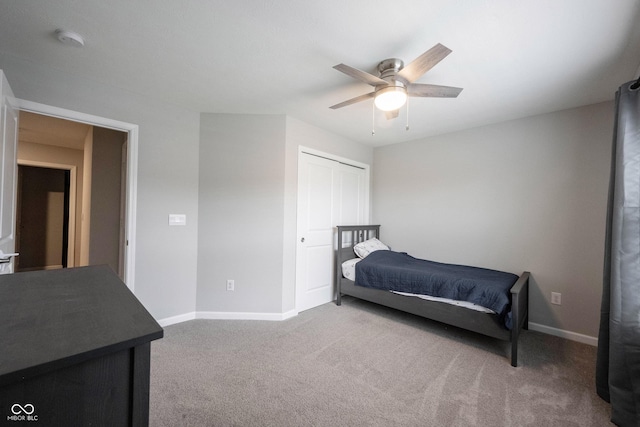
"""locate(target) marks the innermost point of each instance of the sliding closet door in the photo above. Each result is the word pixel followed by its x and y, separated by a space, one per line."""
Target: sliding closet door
pixel 330 193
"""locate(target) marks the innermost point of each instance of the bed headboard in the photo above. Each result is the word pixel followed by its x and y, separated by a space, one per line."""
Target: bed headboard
pixel 351 235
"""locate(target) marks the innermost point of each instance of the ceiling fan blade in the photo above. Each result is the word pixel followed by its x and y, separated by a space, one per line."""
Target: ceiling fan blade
pixel 391 114
pixel 435 91
pixel 361 75
pixel 353 100
pixel 424 63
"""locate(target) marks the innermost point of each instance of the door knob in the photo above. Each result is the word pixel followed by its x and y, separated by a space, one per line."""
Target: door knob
pixel 302 240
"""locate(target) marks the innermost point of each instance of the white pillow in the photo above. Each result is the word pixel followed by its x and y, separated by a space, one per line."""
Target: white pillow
pixel 363 249
pixel 349 268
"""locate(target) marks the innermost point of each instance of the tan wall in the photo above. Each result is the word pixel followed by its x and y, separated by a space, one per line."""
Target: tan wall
pixel 104 245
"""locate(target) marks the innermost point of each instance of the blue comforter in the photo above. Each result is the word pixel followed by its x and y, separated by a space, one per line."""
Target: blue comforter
pixel 395 271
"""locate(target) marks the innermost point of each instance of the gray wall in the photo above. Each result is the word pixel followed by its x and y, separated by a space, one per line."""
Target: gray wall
pixel 165 275
pixel 241 203
pixel 527 194
pixel 247 208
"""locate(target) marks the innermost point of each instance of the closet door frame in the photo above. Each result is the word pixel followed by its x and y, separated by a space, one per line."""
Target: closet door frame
pixel 305 239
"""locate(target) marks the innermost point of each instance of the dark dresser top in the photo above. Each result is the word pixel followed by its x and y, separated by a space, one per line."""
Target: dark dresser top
pixel 57 318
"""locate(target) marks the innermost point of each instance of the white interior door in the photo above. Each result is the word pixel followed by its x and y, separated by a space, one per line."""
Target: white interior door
pixel 330 193
pixel 9 138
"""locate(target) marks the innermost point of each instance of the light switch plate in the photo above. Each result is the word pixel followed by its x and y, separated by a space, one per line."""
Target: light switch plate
pixel 177 219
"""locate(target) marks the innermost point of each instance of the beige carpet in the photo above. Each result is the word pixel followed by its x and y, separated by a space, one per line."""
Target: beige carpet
pixel 364 365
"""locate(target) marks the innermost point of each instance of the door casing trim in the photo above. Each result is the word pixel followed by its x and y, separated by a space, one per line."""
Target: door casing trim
pixel 132 169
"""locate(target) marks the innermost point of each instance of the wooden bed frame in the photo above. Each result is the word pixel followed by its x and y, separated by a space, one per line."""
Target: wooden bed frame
pixel 476 321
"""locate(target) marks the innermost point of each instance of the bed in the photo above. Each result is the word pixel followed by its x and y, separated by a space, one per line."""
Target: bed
pixel 446 311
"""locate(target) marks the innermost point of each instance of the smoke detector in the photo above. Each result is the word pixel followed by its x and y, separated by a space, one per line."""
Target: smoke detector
pixel 70 38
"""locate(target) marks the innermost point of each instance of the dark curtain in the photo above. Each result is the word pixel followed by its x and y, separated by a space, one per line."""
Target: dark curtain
pixel 618 364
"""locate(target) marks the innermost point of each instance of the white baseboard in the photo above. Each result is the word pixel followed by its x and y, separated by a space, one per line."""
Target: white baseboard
pixel 224 315
pixel 289 314
pixel 573 336
pixel 177 319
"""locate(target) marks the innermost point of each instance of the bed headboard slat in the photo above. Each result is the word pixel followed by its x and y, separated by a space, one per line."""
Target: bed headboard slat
pixel 351 235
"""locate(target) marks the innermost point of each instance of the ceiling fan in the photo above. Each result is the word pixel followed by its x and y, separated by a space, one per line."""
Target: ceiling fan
pixel 395 81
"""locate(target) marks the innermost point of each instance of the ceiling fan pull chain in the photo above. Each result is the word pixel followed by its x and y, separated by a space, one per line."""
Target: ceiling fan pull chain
pixel 407 127
pixel 373 119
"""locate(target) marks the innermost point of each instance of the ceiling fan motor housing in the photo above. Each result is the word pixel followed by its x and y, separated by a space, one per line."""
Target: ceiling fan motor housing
pixel 389 68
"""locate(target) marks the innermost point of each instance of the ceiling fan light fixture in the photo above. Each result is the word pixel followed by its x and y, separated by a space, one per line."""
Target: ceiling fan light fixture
pixel 390 98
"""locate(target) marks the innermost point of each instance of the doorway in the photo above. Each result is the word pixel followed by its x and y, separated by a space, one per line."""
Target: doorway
pixel 97 153
pixel 125 188
pixel 42 218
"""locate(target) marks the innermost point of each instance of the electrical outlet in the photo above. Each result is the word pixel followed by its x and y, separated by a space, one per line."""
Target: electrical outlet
pixel 231 285
pixel 556 298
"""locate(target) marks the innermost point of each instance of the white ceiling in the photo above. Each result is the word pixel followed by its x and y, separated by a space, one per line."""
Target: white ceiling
pixel 513 58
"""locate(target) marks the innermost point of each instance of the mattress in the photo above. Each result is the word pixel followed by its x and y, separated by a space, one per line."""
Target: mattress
pixel 349 272
pixel 399 271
